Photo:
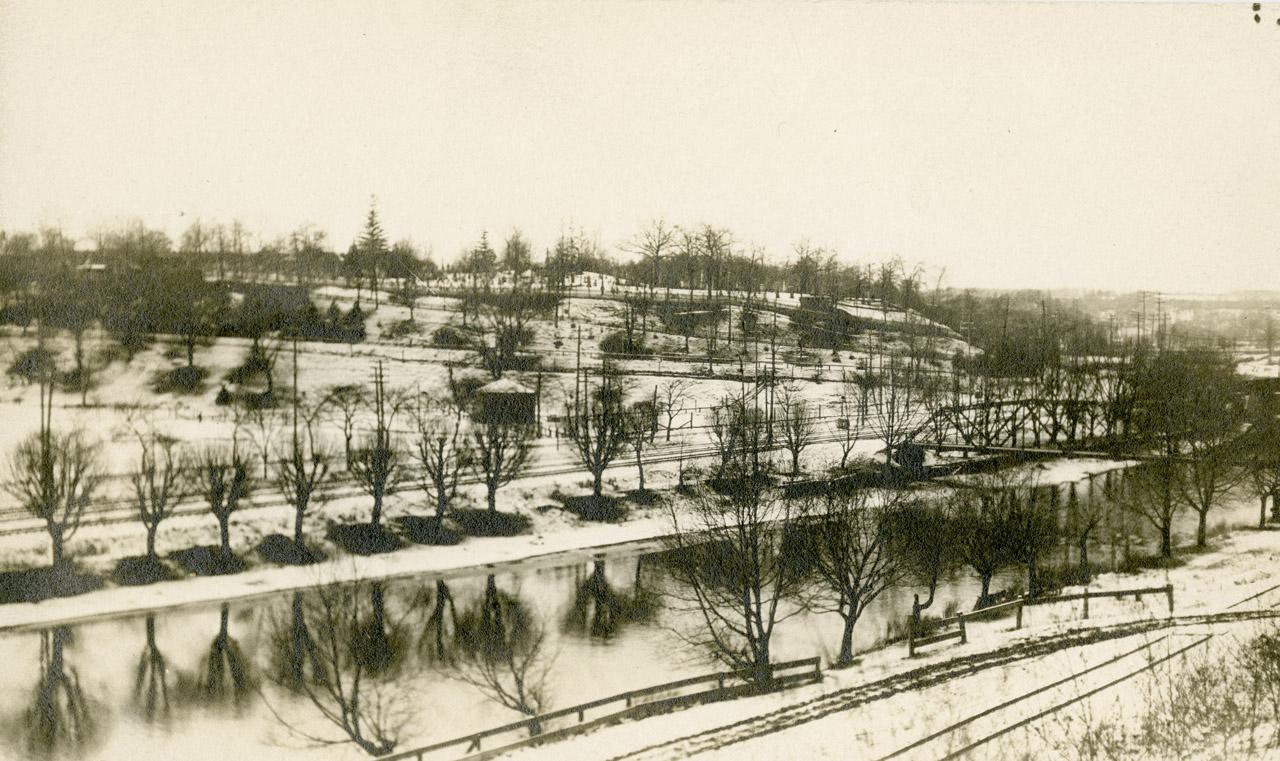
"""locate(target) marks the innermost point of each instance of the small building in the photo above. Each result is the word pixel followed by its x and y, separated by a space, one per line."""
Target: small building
pixel 507 401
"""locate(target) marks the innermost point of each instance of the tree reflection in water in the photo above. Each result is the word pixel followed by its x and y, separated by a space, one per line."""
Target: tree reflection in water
pixel 151 683
pixel 60 719
pixel 435 643
pixel 502 653
pixel 228 677
pixel 339 649
pixel 599 611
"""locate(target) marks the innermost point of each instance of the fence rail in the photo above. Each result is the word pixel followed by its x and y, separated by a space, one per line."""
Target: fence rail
pixel 805 669
pixel 1086 595
pixel 960 633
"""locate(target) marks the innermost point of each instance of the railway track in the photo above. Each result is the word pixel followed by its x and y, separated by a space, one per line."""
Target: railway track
pixel 121 509
pixel 940 744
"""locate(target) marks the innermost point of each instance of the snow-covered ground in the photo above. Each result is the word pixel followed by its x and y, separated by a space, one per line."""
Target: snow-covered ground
pixel 878 706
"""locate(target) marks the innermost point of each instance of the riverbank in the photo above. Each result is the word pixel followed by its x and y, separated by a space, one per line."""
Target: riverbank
pixel 554 537
pixel 1056 656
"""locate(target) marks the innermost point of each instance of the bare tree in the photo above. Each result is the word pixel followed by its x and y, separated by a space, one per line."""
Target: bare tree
pixel 501 454
pixel 376 464
pixel 349 400
pixel 1149 490
pixel 1083 518
pixel 986 516
pixel 162 479
pixel 597 427
pixel 854 406
pixel 731 568
pixel 262 424
pixel 444 452
pixel 671 398
pixel 924 539
pixel 302 465
pixel 641 426
pixel 853 556
pixel 896 404
pixel 798 427
pixel 504 319
pixel 54 475
pixel 654 242
pixel 226 482
pixel 739 432
pixel 1212 464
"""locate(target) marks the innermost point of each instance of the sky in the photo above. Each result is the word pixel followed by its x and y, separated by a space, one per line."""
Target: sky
pixel 1000 144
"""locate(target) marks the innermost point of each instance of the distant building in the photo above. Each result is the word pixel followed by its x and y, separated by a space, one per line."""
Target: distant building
pixel 507 401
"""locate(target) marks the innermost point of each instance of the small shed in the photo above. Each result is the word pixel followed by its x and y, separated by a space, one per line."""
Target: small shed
pixel 507 401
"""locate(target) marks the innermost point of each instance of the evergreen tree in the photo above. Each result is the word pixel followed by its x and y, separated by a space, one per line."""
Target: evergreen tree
pixel 373 245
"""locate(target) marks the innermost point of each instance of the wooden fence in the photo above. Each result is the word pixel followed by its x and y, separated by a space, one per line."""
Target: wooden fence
pixel 1086 595
pixel 633 704
pixel 960 633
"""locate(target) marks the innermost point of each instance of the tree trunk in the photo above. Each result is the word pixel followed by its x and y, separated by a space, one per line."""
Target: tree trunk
pixel 297 528
pixel 492 497
pixel 1084 559
pixel 1202 519
pixel 986 590
pixel 151 541
pixel 1262 510
pixel 846 641
pixel 377 509
pixel 597 487
pixel 224 535
pixel 640 469
pixel 55 542
pixel 1166 541
pixel 191 352
pixel 1033 578
pixel 442 501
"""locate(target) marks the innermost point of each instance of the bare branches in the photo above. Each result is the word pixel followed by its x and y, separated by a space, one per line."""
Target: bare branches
pixel 323 652
pixel 853 556
pixel 302 465
pixel 502 452
pixel 597 428
pixel 225 482
pixel 798 427
pixel 732 569
pixel 503 653
pixel 376 463
pixel 444 452
pixel 162 479
pixel 54 475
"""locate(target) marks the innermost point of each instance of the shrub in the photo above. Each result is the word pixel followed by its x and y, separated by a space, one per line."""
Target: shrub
pixel 401 329
pixel 616 343
pixel 483 522
pixel 180 380
pixel 449 337
pixel 32 364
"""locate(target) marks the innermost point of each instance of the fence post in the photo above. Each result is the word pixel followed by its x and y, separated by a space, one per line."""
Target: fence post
pixel 964 638
pixel 1168 590
pixel 1086 603
pixel 1018 624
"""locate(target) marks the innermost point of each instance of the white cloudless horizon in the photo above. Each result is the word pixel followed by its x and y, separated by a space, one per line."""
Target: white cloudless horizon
pixel 1045 145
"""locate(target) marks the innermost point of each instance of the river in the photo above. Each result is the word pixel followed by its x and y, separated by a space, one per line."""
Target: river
pixel 221 682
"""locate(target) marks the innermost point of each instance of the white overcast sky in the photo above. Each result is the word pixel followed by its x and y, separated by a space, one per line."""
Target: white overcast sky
pixel 1037 145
